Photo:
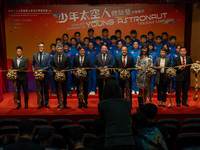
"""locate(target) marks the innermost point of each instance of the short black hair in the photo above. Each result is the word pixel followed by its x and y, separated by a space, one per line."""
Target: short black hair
pixel 120 41
pixel 127 37
pixel 86 38
pixel 172 37
pixel 19 47
pixel 159 37
pixel 143 36
pixel 113 37
pixel 167 50
pixel 151 44
pixel 105 29
pixel 150 110
pixel 111 89
pixel 105 43
pixel 163 49
pixel 77 33
pixel 90 30
pixel 178 45
pixel 150 32
pixel 25 127
pixel 66 44
pixel 133 32
pixel 81 47
pixel 143 47
pixel 58 39
pixel 65 34
pixel 79 43
pixel 105 46
pixel 136 42
pixel 164 33
pixel 139 119
pixel 91 42
pixel 76 134
pixel 53 45
pixel 98 38
pixel 118 31
pixel 73 38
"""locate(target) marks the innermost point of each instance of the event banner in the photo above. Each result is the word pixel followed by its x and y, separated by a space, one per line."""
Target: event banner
pixel 28 25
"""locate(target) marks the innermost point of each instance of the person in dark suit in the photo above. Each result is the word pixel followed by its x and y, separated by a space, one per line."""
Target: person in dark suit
pixel 24 138
pixel 124 62
pixel 182 76
pixel 161 79
pixel 82 61
pixel 21 63
pixel 61 62
pixel 42 61
pixel 102 60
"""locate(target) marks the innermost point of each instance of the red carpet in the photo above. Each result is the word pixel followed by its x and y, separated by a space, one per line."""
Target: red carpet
pixel 7 108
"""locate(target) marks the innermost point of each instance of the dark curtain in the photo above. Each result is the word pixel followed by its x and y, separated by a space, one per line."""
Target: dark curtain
pixel 3 61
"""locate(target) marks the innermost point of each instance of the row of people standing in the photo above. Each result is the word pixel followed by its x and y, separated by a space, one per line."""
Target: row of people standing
pixel 102 60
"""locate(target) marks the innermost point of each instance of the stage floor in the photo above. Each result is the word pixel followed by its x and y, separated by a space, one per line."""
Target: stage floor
pixel 7 106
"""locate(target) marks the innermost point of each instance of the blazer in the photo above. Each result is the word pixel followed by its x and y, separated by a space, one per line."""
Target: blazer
pixel 98 62
pixel 45 65
pixel 65 65
pixel 182 75
pixel 86 64
pixel 22 66
pixel 157 64
pixel 120 64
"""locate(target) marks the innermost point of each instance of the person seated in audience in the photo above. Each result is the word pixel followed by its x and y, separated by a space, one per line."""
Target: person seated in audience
pixel 146 138
pixel 115 111
pixel 24 136
pixel 98 128
pixel 150 111
pixel 46 138
pixel 7 140
pixel 76 136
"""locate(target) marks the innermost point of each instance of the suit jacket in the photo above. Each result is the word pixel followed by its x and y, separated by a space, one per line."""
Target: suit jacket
pixel 65 65
pixel 120 64
pixel 86 64
pixel 98 62
pixel 22 66
pixel 45 65
pixel 157 64
pixel 182 75
pixel 24 144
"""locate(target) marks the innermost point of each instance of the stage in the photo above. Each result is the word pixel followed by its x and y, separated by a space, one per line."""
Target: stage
pixel 7 108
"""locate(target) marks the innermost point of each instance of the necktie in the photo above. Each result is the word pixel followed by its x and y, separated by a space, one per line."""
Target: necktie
pixel 183 63
pixel 40 57
pixel 104 59
pixel 59 59
pixel 81 61
pixel 124 61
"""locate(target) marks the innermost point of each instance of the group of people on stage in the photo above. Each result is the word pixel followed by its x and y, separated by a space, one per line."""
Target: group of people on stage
pixel 101 53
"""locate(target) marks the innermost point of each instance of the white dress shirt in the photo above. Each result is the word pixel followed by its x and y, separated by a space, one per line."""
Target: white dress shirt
pixel 162 64
pixel 19 59
pixel 80 59
pixel 182 59
pixel 60 58
pixel 39 56
pixel 125 60
pixel 105 56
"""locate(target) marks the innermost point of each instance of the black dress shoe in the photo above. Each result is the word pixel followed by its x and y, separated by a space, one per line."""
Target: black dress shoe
pixel 85 105
pixel 26 106
pixel 47 106
pixel 40 106
pixel 18 107
pixel 65 106
pixel 185 104
pixel 80 105
pixel 178 104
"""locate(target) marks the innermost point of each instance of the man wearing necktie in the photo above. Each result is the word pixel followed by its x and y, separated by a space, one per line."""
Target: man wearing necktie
pixel 82 61
pixel 102 60
pixel 21 63
pixel 42 62
pixel 124 62
pixel 61 63
pixel 182 76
